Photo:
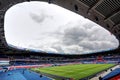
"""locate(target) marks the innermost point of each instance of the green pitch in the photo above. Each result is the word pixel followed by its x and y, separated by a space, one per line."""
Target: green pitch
pixel 77 71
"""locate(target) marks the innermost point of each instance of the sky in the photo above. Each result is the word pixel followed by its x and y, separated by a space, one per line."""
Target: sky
pixel 40 26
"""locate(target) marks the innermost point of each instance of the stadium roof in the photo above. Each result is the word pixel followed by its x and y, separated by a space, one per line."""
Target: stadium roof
pixel 103 12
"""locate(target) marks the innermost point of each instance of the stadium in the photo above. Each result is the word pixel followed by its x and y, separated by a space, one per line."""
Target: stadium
pixel 25 64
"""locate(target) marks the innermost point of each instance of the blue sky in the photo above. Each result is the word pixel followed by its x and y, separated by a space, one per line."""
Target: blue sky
pixel 50 28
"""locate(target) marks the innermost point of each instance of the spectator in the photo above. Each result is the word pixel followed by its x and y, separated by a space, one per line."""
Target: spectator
pixel 100 78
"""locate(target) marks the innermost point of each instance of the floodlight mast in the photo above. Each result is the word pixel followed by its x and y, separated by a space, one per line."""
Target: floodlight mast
pixel 92 10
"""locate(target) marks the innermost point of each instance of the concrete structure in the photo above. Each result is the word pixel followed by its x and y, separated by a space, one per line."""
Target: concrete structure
pixel 103 12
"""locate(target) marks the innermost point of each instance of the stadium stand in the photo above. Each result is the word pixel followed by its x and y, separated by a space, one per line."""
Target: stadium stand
pixel 114 75
pixel 22 74
pixel 23 59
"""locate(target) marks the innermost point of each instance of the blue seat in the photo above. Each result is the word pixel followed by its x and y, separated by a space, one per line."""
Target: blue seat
pixel 112 74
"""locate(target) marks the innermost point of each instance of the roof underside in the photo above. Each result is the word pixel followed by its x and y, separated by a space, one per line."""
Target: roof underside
pixel 103 12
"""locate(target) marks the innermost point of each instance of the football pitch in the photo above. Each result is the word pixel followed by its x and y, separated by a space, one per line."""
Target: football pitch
pixel 76 71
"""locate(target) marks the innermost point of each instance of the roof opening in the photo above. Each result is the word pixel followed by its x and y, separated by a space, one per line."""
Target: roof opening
pixel 39 26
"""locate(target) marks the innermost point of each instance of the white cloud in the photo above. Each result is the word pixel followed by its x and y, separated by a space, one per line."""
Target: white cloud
pixel 52 29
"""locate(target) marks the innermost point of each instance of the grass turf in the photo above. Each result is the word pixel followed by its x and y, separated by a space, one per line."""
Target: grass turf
pixel 77 71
